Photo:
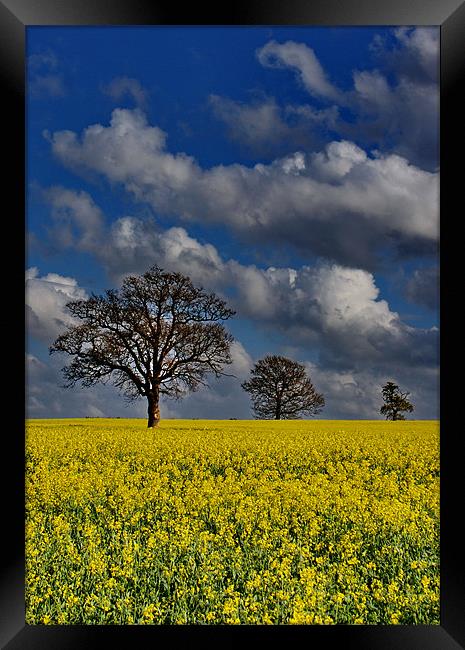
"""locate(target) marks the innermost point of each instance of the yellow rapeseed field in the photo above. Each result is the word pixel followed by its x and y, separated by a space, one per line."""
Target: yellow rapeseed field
pixel 223 522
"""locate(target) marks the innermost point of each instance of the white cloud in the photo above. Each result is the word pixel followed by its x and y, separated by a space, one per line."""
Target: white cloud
pixel 46 299
pixel 372 87
pixel 222 399
pixel 395 107
pixel 132 245
pixel 337 160
pixel 348 298
pixel 403 118
pixel 400 115
pixel 49 85
pixel 357 394
pixel 46 398
pixel 119 87
pixel 332 309
pixel 241 360
pixel 78 222
pixel 335 310
pixel 301 59
pixel 422 43
pixel 269 130
pixel 45 78
pixel 253 123
pixel 329 306
pixel 338 203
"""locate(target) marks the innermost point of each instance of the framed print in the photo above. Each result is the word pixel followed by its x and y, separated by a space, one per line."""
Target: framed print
pixel 233 383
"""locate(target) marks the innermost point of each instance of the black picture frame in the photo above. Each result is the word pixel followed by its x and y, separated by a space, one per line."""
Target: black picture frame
pixel 15 17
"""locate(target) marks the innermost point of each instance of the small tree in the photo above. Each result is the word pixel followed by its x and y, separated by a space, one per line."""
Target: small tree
pixel 395 401
pixel 280 389
pixel 158 335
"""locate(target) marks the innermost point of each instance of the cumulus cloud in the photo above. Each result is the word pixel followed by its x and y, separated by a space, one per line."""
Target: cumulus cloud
pixel 223 398
pixel 258 125
pixel 339 203
pixel 47 317
pixel 121 87
pixel 130 244
pixel 400 115
pixel 356 394
pixel 413 55
pixel 406 115
pixel 337 311
pixel 331 308
pixel 302 60
pixel 266 129
pixel 78 222
pixel 424 45
pixel 336 200
pixel 46 299
pixel 49 85
pixel 334 311
pixel 241 360
pixel 46 398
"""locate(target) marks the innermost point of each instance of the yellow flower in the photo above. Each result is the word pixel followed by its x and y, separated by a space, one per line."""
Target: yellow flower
pixel 301 522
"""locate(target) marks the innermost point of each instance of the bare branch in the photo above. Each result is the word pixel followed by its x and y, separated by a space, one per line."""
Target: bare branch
pixel 158 334
pixel 281 389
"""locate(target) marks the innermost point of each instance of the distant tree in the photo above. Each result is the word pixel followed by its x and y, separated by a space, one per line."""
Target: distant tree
pixel 157 335
pixel 280 389
pixel 395 402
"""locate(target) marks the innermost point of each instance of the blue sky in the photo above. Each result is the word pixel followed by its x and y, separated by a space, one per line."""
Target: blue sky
pixel 294 171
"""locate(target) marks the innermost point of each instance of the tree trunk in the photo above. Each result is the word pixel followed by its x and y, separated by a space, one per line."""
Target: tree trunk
pixel 153 409
pixel 277 413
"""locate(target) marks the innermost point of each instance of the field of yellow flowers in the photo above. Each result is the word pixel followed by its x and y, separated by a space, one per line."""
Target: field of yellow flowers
pixel 232 522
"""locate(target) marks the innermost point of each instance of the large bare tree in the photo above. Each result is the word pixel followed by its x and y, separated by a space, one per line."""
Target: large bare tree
pixel 281 389
pixel 157 335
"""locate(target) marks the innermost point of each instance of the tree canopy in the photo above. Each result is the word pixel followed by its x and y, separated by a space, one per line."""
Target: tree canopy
pixel 395 402
pixel 280 389
pixel 157 335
